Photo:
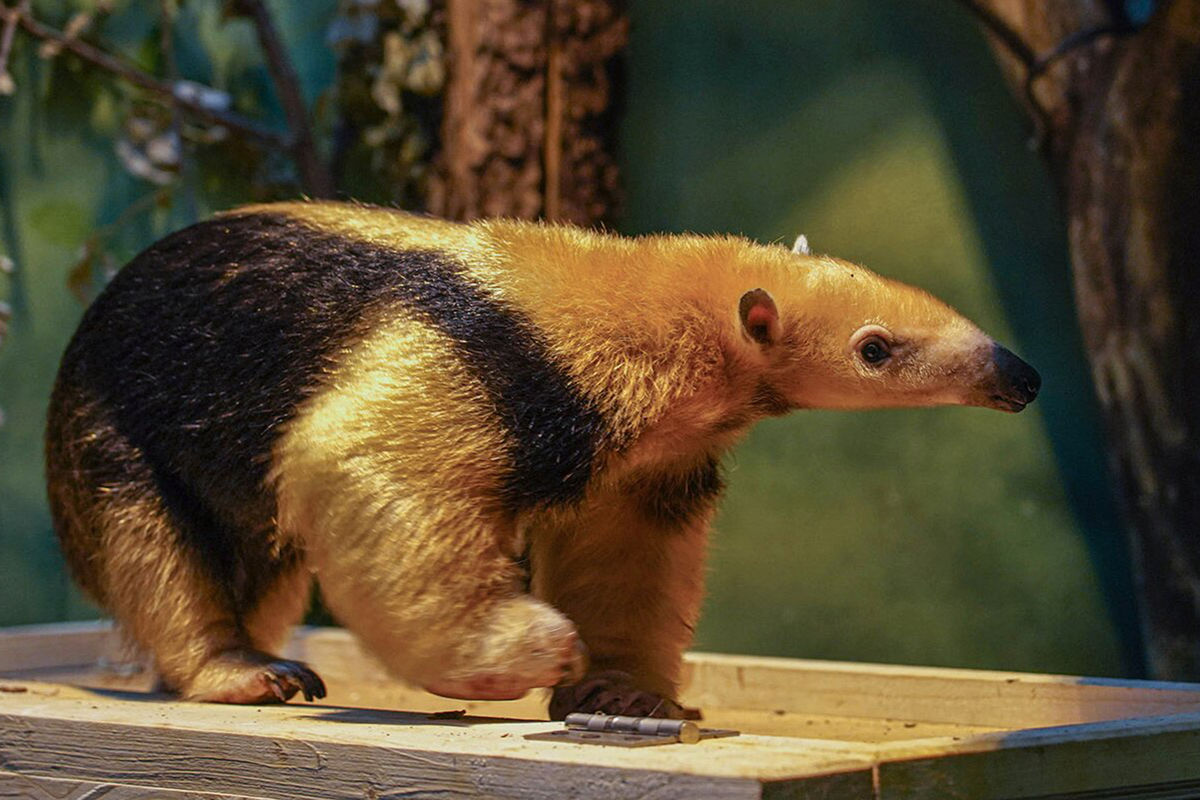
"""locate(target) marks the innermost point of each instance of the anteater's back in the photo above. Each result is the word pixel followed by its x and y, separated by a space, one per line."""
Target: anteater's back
pixel 184 368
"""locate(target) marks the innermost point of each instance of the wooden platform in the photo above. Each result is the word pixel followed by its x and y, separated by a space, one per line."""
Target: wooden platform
pixel 77 720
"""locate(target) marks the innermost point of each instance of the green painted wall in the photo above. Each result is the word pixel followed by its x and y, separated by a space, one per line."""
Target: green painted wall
pixel 882 130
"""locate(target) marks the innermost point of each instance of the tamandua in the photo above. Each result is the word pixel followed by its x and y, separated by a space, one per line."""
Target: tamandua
pixel 495 445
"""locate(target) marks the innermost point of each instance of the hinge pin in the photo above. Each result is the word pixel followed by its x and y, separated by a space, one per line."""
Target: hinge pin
pixel 682 730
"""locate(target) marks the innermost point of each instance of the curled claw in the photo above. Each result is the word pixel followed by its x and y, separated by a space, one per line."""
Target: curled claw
pixel 242 675
pixel 285 678
pixel 614 692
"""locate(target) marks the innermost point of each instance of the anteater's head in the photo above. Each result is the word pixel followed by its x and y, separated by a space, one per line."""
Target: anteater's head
pixel 831 334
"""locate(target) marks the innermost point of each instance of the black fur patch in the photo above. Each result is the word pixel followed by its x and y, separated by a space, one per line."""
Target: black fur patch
pixel 769 401
pixel 674 498
pixel 206 343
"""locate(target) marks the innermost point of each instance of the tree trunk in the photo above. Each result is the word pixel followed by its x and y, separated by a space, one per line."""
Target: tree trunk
pixel 1122 135
pixel 528 127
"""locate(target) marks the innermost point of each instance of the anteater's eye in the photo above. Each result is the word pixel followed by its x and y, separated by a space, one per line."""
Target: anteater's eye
pixel 874 350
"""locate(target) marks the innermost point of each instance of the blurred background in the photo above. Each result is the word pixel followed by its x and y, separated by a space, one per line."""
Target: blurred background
pixel 884 130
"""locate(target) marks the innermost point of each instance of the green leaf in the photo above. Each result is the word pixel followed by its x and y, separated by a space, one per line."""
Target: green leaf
pixel 61 222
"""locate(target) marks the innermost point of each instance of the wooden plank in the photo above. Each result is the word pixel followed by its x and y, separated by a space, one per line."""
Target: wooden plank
pixel 354 677
pixel 867 702
pixel 31 787
pixel 55 732
pixel 311 751
pixel 61 644
pixel 1150 757
pixel 977 700
pixel 1000 700
pixel 807 691
pixel 308 751
pixel 397 696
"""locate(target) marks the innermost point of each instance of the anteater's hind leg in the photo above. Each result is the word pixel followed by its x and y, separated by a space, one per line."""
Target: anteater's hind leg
pixel 164 596
pixel 157 587
pixel 134 544
pixel 248 672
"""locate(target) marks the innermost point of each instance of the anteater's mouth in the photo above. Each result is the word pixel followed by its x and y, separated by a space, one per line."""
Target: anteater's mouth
pixel 1008 403
pixel 1015 384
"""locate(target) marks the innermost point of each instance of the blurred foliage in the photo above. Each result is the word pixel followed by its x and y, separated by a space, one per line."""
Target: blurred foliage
pixel 391 74
pixel 377 120
pixel 93 168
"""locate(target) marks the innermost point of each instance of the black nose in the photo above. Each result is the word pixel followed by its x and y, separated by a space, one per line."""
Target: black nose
pixel 1017 381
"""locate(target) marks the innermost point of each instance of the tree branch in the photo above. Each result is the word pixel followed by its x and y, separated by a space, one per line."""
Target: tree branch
pixel 1036 64
pixel 314 173
pixel 1074 41
pixel 6 40
pixel 170 92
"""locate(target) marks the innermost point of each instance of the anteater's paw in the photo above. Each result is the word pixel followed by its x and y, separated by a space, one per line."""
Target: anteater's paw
pixel 614 692
pixel 250 676
pixel 525 644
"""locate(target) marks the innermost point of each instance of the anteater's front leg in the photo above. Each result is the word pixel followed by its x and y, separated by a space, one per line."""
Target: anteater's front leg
pixel 629 571
pixel 391 481
pixel 433 592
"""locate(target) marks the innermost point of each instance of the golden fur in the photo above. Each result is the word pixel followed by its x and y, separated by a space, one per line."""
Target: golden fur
pixel 385 479
pixel 648 329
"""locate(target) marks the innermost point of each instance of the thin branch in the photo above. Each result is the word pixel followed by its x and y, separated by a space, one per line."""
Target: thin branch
pixel 1020 50
pixel 167 12
pixel 1074 41
pixel 166 39
pixel 81 274
pixel 1036 65
pixel 314 173
pixel 6 40
pixel 143 80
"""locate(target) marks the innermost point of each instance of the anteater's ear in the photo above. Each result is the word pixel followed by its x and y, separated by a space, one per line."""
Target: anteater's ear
pixel 760 317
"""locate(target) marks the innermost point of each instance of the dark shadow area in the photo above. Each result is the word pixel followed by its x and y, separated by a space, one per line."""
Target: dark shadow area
pixel 129 695
pixel 14 682
pixel 376 716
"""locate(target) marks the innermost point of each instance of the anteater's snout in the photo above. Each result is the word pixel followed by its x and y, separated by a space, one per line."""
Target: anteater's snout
pixel 1017 383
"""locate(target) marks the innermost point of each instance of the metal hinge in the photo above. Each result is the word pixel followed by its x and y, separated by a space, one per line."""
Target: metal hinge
pixel 618 731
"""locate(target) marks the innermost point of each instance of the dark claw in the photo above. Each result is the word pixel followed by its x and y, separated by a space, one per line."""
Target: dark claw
pixel 286 677
pixel 314 687
pixel 613 692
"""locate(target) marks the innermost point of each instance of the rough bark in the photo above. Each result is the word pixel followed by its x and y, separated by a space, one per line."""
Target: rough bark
pixel 528 125
pixel 1123 140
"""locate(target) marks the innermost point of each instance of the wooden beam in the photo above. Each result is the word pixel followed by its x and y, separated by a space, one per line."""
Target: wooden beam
pixel 1005 700
pixel 58 645
pixel 1149 757
pixel 67 741
pixel 767 695
pixel 305 751
pixel 529 124
pixel 30 787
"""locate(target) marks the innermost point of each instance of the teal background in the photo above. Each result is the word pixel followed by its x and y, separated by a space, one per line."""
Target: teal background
pixel 881 129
